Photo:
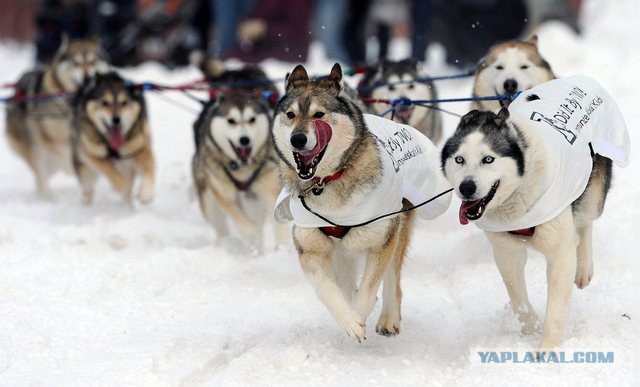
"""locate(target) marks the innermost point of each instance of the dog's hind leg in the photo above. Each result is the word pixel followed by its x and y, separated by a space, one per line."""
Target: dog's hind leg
pixel 584 269
pixel 314 251
pixel 510 255
pixel 390 316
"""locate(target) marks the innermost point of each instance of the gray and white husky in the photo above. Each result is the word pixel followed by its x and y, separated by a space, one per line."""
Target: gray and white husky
pixel 516 186
pixel 393 80
pixel 40 131
pixel 234 167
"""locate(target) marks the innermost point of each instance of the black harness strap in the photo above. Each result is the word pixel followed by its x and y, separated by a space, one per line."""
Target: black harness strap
pixel 306 207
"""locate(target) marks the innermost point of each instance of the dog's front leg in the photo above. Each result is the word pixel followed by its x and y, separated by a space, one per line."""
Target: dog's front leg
pixel 147 170
pixel 119 181
pixel 510 255
pixel 378 261
pixel 314 251
pixel 560 249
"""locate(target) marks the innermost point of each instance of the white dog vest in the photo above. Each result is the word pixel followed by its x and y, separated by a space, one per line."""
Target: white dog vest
pixel 410 169
pixel 572 117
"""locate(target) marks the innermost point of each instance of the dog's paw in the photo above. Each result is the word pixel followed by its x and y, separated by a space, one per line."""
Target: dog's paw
pixel 549 343
pixel 354 325
pixel 388 327
pixel 584 273
pixel 145 195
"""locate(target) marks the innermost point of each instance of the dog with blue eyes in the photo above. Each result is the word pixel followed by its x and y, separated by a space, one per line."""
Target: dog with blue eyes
pixel 537 175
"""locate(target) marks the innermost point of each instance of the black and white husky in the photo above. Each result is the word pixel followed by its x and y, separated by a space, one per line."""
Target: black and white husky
pixel 395 80
pixel 537 175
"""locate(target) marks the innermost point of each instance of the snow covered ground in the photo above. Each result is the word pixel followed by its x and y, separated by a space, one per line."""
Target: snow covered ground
pixel 106 295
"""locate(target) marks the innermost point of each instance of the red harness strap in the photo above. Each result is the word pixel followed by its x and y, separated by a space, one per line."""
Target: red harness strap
pixel 523 232
pixel 335 231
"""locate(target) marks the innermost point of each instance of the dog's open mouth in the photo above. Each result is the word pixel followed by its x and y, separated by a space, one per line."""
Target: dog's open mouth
pixel 115 137
pixel 474 209
pixel 307 161
pixel 243 152
pixel 404 113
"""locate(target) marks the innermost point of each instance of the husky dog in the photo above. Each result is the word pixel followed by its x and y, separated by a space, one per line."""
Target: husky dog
pixel 509 67
pixel 39 130
pixel 527 179
pixel 234 168
pixel 395 80
pixel 111 137
pixel 343 174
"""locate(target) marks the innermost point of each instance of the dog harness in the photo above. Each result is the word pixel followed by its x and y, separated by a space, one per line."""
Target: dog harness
pixel 571 119
pixel 410 170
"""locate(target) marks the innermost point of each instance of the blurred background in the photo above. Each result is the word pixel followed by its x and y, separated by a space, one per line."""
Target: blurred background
pixel 353 32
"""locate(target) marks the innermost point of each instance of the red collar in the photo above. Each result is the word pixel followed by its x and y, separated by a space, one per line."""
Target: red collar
pixel 335 231
pixel 523 232
pixel 327 179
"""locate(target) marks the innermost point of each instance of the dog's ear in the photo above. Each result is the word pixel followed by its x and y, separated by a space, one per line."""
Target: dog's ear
pixel 299 74
pixel 501 117
pixel 533 40
pixel 64 44
pixel 467 118
pixel 336 74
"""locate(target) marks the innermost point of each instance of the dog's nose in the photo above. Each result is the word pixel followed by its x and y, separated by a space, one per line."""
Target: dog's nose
pixel 510 85
pixel 299 140
pixel 244 140
pixel 116 120
pixel 467 189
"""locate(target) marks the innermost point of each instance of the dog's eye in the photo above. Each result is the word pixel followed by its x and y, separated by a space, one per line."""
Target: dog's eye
pixel 318 115
pixel 231 121
pixel 411 86
pixel 105 103
pixel 124 103
pixel 290 115
pixel 392 88
pixel 524 67
pixel 499 67
pixel 488 159
pixel 252 120
pixel 459 160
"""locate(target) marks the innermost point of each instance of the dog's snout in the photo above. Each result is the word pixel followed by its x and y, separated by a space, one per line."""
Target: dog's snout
pixel 467 188
pixel 244 140
pixel 299 140
pixel 116 120
pixel 510 85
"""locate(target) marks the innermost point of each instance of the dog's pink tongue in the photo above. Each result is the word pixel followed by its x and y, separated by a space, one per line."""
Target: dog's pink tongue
pixel 462 214
pixel 323 136
pixel 116 139
pixel 404 114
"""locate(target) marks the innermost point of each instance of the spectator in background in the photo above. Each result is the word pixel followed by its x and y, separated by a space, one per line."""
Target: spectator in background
pixel 328 27
pixel 355 31
pixel 386 18
pixel 276 29
pixel 468 28
pixel 226 15
pixel 57 17
pixel 422 12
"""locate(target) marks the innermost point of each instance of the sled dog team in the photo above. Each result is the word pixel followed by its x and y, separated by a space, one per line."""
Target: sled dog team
pixel 533 172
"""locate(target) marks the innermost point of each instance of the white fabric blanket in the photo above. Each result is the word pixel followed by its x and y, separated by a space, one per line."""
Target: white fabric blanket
pixel 571 113
pixel 411 170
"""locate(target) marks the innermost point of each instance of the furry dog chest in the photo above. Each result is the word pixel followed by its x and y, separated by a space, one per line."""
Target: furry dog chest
pixel 572 118
pixel 410 171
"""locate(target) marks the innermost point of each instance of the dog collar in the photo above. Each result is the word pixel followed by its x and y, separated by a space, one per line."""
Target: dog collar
pixel 335 231
pixel 320 182
pixel 523 232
